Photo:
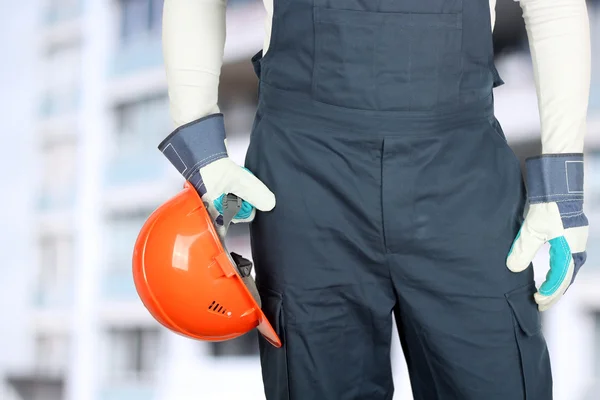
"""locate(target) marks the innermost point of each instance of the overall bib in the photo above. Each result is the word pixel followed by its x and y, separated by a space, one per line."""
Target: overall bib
pixel 398 198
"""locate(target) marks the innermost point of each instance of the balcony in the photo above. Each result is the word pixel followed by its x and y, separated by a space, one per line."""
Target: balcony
pixel 132 391
pixel 54 297
pixel 36 385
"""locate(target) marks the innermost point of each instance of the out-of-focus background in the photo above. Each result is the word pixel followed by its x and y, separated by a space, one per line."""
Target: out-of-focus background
pixel 84 105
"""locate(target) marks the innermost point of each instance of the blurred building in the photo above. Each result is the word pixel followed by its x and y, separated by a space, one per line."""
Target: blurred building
pixel 101 110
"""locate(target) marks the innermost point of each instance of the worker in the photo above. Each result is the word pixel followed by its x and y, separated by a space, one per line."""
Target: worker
pixel 381 187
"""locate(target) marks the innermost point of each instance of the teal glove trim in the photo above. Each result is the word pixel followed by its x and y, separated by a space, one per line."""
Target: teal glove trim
pixel 560 258
pixel 245 210
pixel 513 244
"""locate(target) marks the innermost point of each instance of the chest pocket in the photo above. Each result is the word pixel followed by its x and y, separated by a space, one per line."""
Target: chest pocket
pixel 386 60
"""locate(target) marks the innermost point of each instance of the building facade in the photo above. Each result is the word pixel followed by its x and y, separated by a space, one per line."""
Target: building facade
pixel 100 110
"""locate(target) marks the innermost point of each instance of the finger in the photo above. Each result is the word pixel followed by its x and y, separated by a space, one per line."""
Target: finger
pixel 245 218
pixel 251 189
pixel 526 245
pixel 561 270
pixel 545 300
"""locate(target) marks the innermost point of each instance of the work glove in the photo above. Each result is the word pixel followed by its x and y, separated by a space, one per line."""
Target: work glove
pixel 555 215
pixel 198 150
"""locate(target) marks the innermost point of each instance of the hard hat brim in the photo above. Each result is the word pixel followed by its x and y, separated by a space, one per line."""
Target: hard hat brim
pixel 264 326
pixel 267 331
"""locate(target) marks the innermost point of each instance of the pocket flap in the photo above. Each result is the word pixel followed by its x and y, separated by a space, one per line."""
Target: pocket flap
pixel 525 309
pixel 256 63
pixel 272 308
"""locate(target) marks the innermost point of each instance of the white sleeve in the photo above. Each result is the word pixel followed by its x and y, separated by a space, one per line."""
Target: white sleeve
pixel 559 39
pixel 193 42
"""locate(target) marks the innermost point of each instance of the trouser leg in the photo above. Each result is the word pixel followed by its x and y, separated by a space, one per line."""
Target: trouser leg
pixel 471 328
pixel 320 265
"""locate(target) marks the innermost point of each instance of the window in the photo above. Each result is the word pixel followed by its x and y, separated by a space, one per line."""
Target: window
pixel 141 126
pixel 62 78
pixel 140 18
pixel 59 173
pixel 246 345
pixel 56 260
pixel 123 229
pixel 133 353
pixel 51 352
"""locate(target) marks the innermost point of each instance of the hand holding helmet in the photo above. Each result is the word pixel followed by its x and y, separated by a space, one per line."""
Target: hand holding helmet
pixel 182 271
pixel 199 152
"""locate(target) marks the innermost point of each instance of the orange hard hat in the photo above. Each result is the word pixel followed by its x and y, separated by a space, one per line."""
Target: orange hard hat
pixel 188 281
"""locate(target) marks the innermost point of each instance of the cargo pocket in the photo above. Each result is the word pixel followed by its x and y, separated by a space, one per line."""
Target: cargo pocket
pixel 496 75
pixel 533 352
pixel 274 360
pixel 386 60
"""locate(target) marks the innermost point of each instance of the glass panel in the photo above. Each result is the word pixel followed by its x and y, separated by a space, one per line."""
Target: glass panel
pixel 122 233
pixel 133 354
pixel 140 128
pixel 142 125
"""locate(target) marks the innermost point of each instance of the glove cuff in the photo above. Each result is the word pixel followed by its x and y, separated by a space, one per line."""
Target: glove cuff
pixel 195 145
pixel 555 178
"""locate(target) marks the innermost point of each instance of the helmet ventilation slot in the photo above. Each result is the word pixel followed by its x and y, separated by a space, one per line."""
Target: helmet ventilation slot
pixel 217 308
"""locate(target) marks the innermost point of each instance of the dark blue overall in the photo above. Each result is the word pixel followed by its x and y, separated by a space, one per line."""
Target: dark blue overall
pixel 397 198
